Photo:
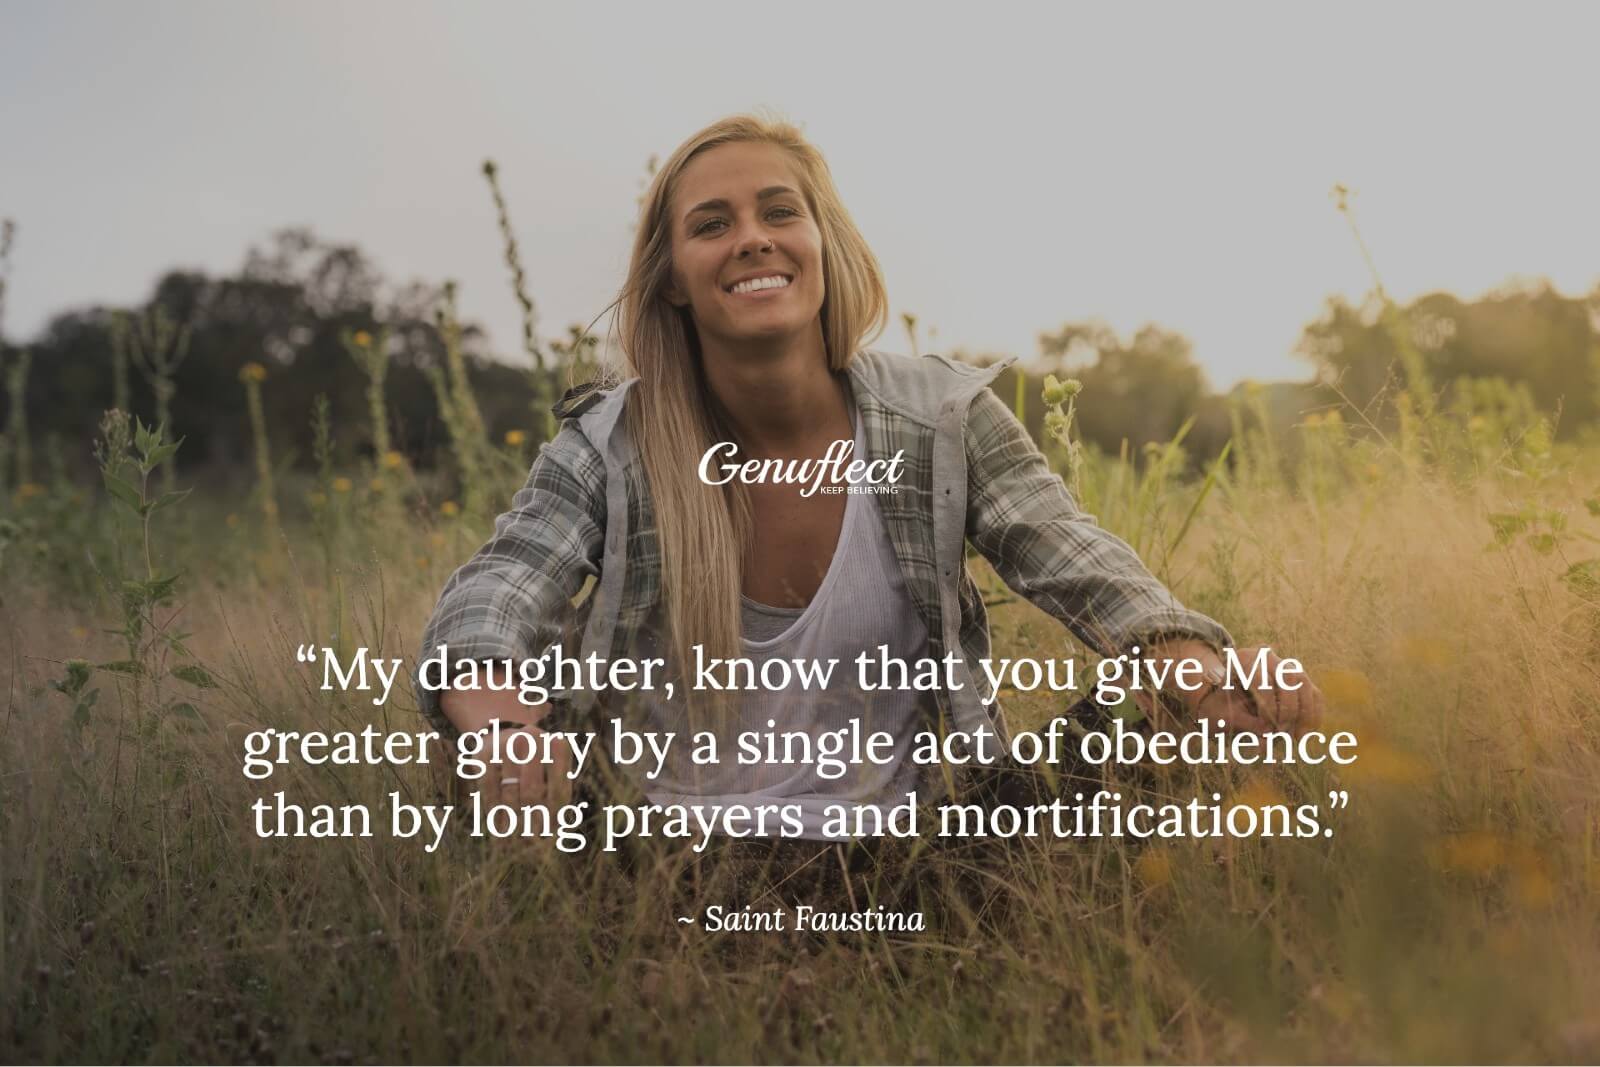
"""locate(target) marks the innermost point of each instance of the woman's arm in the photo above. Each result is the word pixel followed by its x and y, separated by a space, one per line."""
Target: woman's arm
pixel 513 598
pixel 1023 520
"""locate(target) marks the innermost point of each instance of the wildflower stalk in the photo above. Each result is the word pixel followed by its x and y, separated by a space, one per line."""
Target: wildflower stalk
pixel 252 375
pixel 1269 467
pixel 149 640
pixel 1419 386
pixel 541 374
pixel 459 408
pixel 17 419
pixel 120 394
pixel 461 445
pixel 910 321
pixel 325 515
pixel 373 359
pixel 461 394
pixel 8 234
pixel 159 346
pixel 327 510
pixel 1060 411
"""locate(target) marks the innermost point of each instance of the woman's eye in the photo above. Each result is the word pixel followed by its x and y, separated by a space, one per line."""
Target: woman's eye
pixel 780 212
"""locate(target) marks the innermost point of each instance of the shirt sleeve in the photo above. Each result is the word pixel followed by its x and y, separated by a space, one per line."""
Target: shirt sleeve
pixel 513 598
pixel 1021 517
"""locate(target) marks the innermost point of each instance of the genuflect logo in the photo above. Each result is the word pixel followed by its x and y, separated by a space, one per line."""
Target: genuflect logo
pixel 823 475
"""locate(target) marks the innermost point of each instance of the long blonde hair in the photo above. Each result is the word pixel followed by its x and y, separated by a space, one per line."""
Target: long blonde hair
pixel 704 531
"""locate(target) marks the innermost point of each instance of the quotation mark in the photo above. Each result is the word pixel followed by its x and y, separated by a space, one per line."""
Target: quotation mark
pixel 306 654
pixel 1337 798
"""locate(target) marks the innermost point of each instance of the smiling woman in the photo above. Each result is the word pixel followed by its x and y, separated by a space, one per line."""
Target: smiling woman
pixel 749 298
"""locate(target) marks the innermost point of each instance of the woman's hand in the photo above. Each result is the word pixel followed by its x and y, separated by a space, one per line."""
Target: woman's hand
pixel 1263 709
pixel 505 782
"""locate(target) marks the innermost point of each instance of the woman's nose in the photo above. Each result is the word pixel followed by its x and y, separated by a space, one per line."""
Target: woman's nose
pixel 754 239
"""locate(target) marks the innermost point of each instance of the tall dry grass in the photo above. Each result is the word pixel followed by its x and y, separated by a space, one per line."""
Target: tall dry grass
pixel 1452 915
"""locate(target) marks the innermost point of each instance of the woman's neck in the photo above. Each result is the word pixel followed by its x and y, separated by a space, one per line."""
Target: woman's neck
pixel 781 400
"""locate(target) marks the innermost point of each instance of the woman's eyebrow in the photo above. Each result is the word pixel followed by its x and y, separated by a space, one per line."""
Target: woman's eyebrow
pixel 722 205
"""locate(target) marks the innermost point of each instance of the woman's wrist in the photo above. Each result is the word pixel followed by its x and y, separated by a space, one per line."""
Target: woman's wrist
pixel 471 710
pixel 1175 651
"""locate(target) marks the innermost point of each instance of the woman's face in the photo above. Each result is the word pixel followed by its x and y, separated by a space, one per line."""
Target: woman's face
pixel 738 215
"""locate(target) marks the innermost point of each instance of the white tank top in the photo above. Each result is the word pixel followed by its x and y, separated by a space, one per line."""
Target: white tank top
pixel 861 604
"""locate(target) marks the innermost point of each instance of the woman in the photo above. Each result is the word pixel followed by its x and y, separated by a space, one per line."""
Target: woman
pixel 748 298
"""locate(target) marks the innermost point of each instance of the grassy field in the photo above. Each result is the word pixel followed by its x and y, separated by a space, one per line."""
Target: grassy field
pixel 1433 580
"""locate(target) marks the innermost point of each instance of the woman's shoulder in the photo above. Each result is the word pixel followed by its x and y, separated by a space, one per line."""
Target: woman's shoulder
pixel 923 387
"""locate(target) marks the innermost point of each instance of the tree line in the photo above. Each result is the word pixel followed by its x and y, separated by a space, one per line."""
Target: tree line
pixel 292 306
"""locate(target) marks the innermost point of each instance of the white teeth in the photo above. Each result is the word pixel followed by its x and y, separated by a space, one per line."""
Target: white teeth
pixel 761 283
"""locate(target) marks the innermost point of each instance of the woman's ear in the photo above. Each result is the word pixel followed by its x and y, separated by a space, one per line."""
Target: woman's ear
pixel 674 294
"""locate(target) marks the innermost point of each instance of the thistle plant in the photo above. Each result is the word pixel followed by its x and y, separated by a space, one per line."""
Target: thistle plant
pixel 126 464
pixel 1060 411
pixel 158 347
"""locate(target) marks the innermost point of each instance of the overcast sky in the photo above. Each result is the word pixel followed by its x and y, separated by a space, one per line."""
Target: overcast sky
pixel 1014 168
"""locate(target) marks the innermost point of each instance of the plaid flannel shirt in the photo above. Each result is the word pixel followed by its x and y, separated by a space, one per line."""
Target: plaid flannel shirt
pixel 971 473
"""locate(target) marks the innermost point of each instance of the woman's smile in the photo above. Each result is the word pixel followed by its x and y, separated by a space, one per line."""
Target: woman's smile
pixel 761 285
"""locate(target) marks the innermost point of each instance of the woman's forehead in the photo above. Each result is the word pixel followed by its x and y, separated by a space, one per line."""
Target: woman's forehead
pixel 739 169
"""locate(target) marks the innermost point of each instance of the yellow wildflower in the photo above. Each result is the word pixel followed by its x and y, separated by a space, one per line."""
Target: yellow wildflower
pixel 1379 762
pixel 252 372
pixel 1474 852
pixel 232 520
pixel 437 540
pixel 392 460
pixel 1258 793
pixel 316 499
pixel 376 485
pixel 1345 688
pixel 1154 867
pixel 342 484
pixel 80 632
pixel 515 437
pixel 1531 883
pixel 450 509
pixel 362 338
pixel 422 561
pixel 1425 651
pixel 27 491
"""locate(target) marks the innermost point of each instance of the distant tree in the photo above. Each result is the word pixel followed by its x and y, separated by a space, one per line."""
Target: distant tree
pixel 286 308
pixel 1521 332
